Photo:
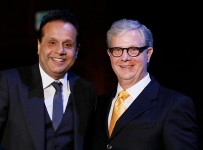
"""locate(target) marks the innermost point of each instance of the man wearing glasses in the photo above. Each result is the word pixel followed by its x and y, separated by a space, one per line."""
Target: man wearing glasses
pixel 148 116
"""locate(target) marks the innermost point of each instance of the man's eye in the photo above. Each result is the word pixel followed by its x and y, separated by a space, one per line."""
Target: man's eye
pixel 52 42
pixel 117 49
pixel 133 49
pixel 68 45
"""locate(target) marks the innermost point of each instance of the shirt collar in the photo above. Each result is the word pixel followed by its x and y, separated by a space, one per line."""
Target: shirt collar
pixel 137 88
pixel 47 80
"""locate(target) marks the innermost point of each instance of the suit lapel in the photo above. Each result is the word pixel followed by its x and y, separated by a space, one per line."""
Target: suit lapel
pixel 77 137
pixel 32 99
pixel 141 104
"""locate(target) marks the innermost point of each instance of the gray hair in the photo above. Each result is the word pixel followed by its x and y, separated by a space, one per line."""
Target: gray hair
pixel 121 26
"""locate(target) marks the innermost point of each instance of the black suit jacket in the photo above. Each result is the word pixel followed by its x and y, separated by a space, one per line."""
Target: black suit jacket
pixel 158 119
pixel 22 108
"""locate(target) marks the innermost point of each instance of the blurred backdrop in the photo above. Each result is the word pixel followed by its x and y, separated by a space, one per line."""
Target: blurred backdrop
pixel 178 53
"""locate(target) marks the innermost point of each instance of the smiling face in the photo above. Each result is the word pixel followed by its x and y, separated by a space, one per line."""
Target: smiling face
pixel 58 48
pixel 129 70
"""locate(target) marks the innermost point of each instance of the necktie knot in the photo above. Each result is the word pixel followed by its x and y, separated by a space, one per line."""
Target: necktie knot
pixel 123 95
pixel 57 85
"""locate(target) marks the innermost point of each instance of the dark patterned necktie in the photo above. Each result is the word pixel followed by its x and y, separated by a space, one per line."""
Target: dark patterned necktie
pixel 57 105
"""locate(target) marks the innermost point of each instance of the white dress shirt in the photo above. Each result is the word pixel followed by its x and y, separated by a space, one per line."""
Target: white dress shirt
pixel 49 91
pixel 134 91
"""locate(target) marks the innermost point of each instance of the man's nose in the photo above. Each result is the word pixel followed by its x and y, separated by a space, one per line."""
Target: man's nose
pixel 125 55
pixel 61 48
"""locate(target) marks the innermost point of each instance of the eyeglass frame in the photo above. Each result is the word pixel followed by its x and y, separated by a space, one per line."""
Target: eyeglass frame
pixel 140 50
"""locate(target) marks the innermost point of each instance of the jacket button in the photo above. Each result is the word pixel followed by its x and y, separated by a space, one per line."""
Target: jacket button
pixel 109 146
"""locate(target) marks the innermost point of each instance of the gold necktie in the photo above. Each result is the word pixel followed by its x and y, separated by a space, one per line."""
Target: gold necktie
pixel 118 109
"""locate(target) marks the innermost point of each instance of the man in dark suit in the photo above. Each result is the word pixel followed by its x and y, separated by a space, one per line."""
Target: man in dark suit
pixel 152 117
pixel 26 93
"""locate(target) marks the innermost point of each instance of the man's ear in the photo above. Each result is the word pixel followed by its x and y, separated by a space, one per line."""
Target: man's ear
pixel 149 53
pixel 108 52
pixel 38 46
pixel 77 50
pixel 76 54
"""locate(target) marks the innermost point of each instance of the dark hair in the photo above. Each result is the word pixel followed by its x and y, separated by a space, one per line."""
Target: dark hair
pixel 63 15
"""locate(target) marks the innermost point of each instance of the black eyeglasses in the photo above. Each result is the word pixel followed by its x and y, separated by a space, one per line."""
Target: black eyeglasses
pixel 132 51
